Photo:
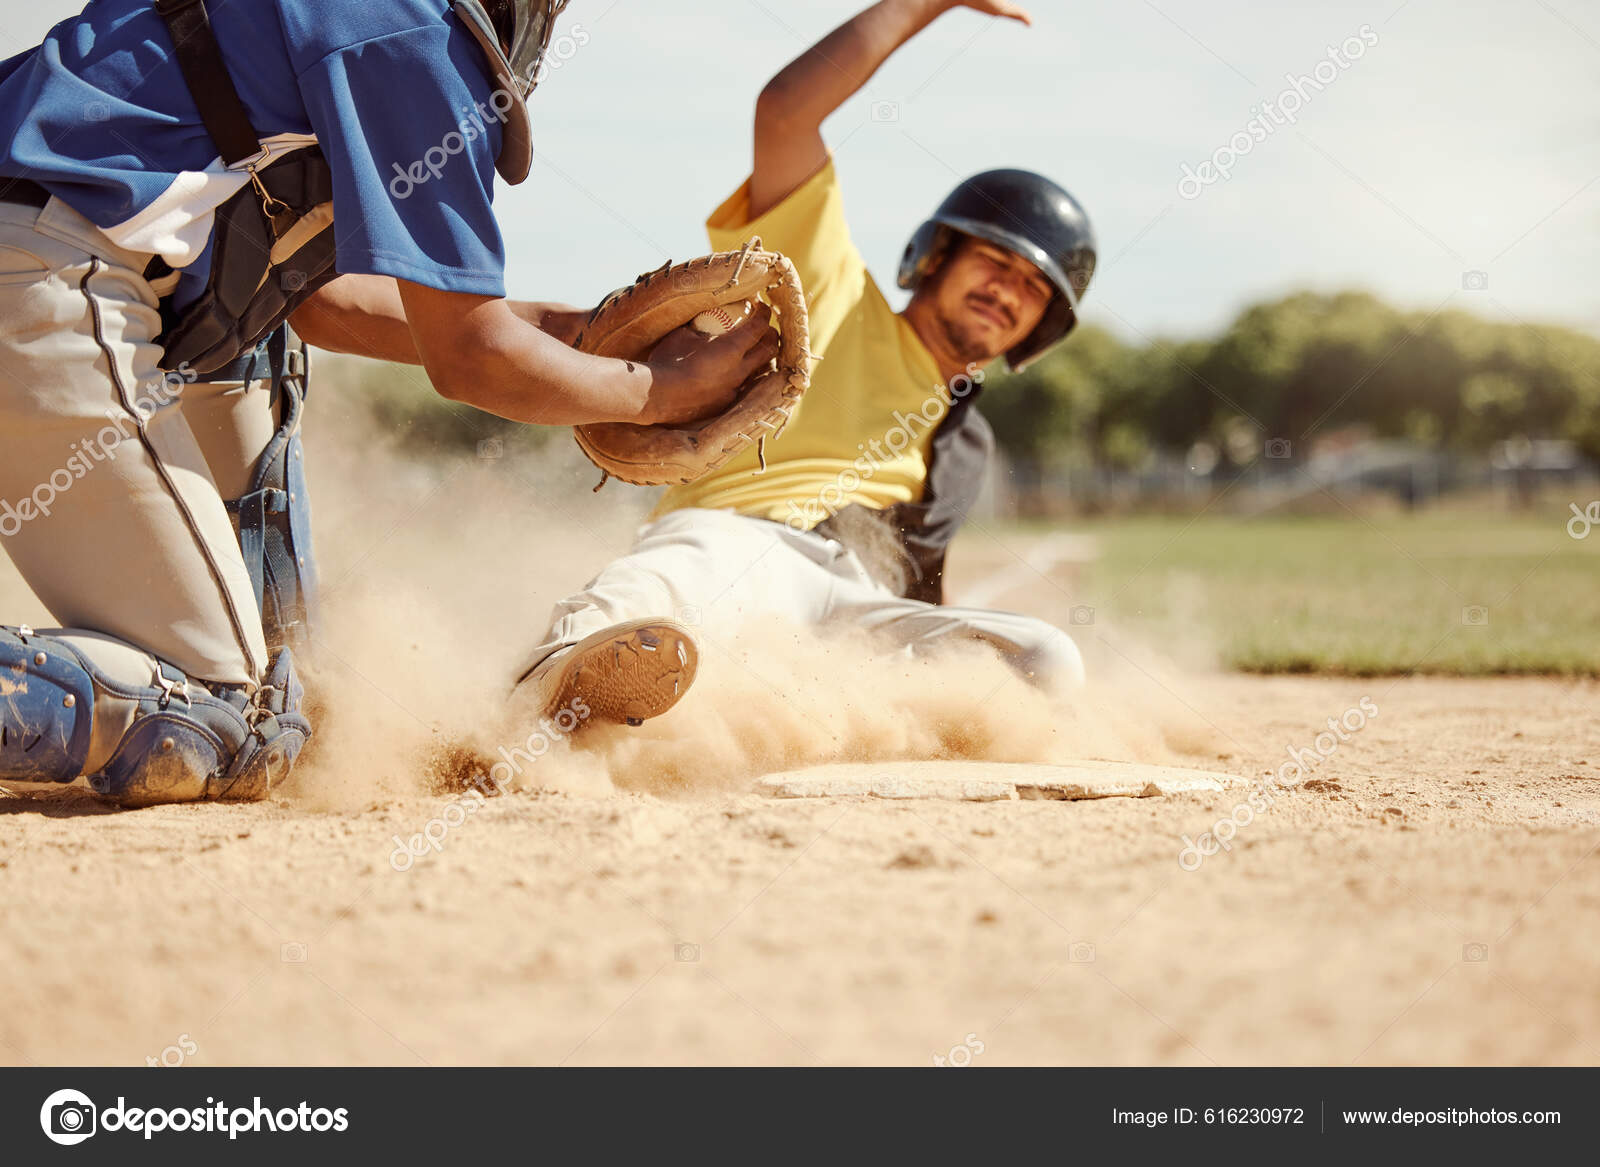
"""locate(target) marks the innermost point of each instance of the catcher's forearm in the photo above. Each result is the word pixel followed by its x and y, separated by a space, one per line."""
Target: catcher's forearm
pixel 480 351
pixel 364 315
pixel 826 75
pixel 546 383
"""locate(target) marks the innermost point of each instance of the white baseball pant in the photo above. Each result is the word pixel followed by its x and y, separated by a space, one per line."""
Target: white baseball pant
pixel 112 474
pixel 716 570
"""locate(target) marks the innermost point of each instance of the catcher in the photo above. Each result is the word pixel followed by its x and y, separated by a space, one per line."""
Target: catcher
pixel 860 496
pixel 175 184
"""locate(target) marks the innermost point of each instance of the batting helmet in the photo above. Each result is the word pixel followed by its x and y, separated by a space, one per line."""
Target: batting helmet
pixel 1030 216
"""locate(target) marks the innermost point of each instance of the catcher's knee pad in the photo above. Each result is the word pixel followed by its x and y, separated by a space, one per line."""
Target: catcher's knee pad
pixel 275 513
pixel 177 740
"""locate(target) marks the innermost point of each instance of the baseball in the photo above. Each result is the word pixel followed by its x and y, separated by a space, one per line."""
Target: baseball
pixel 723 318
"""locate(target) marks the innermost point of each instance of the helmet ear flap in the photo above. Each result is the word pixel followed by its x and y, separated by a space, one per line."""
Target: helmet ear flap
pixel 921 253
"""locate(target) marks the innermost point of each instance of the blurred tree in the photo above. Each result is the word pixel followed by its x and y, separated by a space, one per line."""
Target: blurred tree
pixel 1292 369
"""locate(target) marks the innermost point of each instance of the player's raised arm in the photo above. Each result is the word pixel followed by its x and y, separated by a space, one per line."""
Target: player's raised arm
pixel 795 103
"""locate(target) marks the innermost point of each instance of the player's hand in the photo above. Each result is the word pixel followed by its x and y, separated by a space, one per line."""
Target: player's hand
pixel 998 8
pixel 697 376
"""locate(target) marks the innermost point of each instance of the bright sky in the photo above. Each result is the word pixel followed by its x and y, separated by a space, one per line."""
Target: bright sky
pixel 1465 139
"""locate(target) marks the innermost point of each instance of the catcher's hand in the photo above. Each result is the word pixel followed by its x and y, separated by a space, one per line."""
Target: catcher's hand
pixel 646 322
pixel 698 376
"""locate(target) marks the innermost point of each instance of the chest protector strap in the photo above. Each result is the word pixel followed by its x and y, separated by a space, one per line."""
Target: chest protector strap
pixel 272 244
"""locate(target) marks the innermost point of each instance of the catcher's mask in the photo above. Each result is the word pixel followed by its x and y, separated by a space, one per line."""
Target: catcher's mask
pixel 514 39
pixel 1030 216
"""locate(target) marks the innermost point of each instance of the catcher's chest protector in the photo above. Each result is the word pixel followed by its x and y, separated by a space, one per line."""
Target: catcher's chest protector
pixel 259 273
pixel 272 242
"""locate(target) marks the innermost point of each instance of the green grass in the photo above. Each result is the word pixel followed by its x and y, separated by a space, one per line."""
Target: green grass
pixel 1358 596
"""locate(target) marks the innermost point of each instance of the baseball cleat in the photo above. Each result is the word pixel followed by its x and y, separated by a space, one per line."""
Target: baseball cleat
pixel 625 674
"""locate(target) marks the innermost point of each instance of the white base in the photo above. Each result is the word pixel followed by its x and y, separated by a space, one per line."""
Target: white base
pixel 994 781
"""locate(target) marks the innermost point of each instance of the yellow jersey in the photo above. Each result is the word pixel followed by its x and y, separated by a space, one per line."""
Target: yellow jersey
pixel 863 431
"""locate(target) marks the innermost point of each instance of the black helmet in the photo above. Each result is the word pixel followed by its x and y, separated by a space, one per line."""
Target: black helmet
pixel 514 36
pixel 1030 216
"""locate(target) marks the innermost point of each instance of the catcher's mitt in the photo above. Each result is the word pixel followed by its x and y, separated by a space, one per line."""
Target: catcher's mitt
pixel 627 325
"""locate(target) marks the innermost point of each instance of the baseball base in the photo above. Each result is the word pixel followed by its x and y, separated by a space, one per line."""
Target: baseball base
pixel 994 781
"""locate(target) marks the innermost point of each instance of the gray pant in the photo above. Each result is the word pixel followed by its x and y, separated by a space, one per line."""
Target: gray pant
pixel 112 473
pixel 715 569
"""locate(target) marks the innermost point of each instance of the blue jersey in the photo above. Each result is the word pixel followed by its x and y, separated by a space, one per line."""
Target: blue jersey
pixel 396 93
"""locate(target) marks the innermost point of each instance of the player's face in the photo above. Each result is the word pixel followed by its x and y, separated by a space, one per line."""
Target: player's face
pixel 987 300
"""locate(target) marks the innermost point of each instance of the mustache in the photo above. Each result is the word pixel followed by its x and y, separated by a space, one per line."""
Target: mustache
pixel 994 305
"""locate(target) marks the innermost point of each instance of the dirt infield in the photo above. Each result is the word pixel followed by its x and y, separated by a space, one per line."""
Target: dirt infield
pixel 1429 895
pixel 656 911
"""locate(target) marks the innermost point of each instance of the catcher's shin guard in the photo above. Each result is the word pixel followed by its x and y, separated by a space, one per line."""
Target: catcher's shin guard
pixel 171 741
pixel 275 514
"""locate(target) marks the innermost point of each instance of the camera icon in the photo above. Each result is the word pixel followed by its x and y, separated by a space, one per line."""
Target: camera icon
pixel 72 1118
pixel 96 111
pixel 1474 953
pixel 691 615
pixel 293 953
pixel 491 450
pixel 1475 281
pixel 294 281
pixel 1081 953
pixel 1081 616
pixel 685 281
pixel 686 953
pixel 1475 616
pixel 885 112
pixel 1280 448
pixel 68 1117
